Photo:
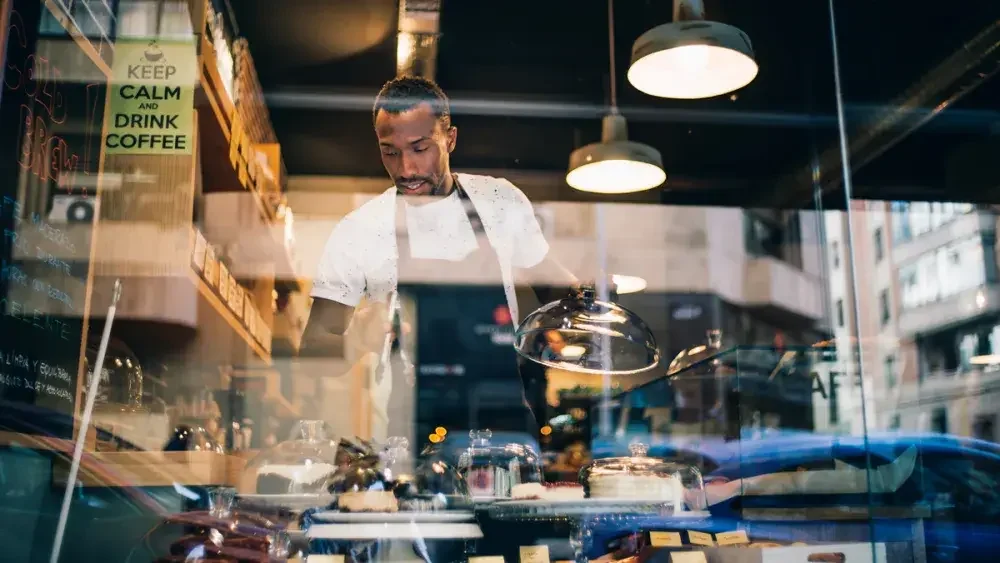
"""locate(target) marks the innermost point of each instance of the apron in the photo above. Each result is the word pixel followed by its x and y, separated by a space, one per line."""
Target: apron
pixel 498 402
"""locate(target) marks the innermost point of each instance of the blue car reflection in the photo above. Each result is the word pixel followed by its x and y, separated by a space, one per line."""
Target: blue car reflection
pixel 951 491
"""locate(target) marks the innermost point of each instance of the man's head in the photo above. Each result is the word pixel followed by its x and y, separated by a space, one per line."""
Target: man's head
pixel 413 124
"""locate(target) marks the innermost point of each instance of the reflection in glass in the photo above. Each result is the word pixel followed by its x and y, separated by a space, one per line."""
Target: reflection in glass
pixel 302 465
pixel 582 334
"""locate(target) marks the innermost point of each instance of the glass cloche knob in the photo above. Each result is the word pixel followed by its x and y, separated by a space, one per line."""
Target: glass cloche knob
pixel 637 449
pixel 480 438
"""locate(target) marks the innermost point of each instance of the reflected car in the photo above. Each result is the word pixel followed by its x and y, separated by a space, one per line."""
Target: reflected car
pixel 948 484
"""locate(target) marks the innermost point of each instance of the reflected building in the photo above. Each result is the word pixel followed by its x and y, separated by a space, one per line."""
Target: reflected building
pixel 926 304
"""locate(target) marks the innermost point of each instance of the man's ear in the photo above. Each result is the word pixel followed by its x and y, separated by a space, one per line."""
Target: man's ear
pixel 452 138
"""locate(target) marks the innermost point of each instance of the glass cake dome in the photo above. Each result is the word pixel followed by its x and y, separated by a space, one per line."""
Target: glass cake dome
pixel 120 386
pixel 193 438
pixel 303 465
pixel 392 480
pixel 640 477
pixel 492 471
pixel 220 534
pixel 583 334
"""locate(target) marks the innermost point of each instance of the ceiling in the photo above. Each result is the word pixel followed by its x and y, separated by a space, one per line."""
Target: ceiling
pixel 529 81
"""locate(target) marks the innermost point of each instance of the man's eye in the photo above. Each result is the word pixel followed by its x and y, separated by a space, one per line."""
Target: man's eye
pixel 419 149
pixel 390 153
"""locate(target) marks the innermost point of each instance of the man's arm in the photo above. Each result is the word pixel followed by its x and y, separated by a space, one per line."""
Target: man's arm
pixel 533 256
pixel 324 332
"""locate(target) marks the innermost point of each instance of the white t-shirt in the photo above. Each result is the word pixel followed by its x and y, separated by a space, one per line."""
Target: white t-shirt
pixel 360 259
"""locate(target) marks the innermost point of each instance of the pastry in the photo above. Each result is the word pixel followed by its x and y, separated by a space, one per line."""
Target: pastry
pixel 634 487
pixel 563 491
pixel 368 501
pixel 548 491
pixel 527 491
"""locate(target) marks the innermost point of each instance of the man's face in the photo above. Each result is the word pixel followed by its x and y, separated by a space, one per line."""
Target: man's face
pixel 415 147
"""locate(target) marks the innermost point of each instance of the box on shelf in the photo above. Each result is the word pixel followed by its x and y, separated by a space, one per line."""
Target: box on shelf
pixel 198 258
pixel 224 278
pixel 236 293
pixel 248 311
pixel 249 98
pixel 212 270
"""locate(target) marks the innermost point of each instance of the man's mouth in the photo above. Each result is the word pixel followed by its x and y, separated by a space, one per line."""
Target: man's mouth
pixel 411 185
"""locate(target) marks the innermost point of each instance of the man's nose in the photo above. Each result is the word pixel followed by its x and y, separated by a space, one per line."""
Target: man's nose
pixel 410 168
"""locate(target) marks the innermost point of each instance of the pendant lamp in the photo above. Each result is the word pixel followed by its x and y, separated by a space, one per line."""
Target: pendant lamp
pixel 583 334
pixel 615 165
pixel 691 58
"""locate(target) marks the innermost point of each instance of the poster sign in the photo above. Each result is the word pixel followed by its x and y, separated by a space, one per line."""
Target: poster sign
pixel 152 98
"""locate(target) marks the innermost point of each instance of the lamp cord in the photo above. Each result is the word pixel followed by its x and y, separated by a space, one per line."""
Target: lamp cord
pixel 611 49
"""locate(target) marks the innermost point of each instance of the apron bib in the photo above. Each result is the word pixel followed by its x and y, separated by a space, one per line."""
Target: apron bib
pixel 497 402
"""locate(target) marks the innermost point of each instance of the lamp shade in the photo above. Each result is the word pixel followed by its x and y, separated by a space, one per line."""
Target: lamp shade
pixel 585 335
pixel 691 60
pixel 615 165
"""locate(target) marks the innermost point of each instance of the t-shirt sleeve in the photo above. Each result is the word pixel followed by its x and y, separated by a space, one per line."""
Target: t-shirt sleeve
pixel 530 246
pixel 340 276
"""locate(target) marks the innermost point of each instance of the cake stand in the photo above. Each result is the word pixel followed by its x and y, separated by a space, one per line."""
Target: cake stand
pixel 584 516
pixel 398 535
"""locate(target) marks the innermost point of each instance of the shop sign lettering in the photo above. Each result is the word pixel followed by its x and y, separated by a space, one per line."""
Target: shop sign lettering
pixel 152 98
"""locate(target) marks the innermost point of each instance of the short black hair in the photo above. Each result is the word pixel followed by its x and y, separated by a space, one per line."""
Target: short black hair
pixel 406 92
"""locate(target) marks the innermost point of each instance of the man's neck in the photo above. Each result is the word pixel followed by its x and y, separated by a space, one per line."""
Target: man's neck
pixel 447 186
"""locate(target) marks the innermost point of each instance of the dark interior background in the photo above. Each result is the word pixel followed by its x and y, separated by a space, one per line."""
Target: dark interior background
pixel 529 81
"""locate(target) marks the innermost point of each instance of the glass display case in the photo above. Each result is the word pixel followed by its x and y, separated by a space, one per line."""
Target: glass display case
pixel 695 277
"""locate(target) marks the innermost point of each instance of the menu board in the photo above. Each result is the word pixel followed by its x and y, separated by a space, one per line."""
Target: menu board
pixel 51 114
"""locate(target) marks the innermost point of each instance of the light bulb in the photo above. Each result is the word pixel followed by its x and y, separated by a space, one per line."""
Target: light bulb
pixel 694 58
pixel 616 177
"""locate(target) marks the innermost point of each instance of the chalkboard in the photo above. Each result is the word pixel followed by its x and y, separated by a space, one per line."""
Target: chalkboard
pixel 51 114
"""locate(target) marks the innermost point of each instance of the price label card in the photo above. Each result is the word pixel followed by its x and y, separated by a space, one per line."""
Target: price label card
pixel 700 538
pixel 487 559
pixel 688 557
pixel 732 538
pixel 325 559
pixel 534 554
pixel 665 539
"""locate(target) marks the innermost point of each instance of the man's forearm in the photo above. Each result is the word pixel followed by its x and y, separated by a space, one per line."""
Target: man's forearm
pixel 549 272
pixel 318 342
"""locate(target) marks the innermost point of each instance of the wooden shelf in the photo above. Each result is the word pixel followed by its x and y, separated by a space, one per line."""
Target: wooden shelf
pixel 215 126
pixel 135 469
pixel 215 302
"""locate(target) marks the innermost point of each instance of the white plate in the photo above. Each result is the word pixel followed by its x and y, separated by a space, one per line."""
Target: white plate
pixel 394 517
pixel 290 501
pixel 540 508
pixel 595 502
pixel 394 531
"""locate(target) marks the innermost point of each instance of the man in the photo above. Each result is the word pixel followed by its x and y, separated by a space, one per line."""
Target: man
pixel 365 257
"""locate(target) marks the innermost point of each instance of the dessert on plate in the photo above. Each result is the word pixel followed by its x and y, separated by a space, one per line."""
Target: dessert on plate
pixel 548 491
pixel 638 477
